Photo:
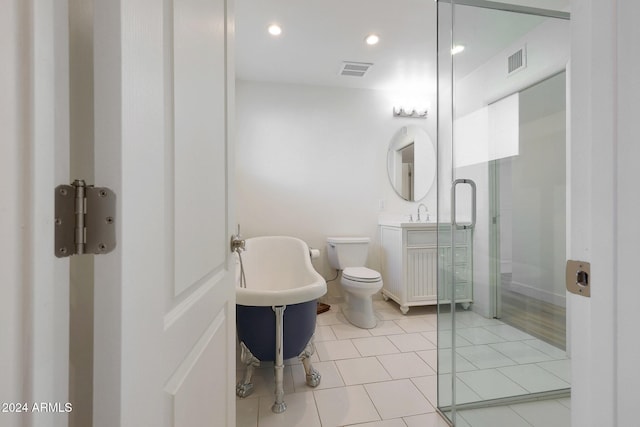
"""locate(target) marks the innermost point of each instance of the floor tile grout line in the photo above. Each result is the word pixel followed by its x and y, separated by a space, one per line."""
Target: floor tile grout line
pixel 339 372
pixel 501 352
pixel 372 402
pixel 494 349
pixel 315 401
pixel 553 373
pixel 422 392
pixel 542 351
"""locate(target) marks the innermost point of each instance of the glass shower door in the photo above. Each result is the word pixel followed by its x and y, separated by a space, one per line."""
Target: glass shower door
pixel 501 211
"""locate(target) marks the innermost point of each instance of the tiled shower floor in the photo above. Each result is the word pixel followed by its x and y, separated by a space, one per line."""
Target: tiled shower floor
pixel 386 376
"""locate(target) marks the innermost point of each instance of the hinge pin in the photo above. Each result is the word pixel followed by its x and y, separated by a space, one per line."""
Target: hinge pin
pixel 80 211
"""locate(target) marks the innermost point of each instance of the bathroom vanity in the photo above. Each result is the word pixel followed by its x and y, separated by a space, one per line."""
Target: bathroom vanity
pixel 409 260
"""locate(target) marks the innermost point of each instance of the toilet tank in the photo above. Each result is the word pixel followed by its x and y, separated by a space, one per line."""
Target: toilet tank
pixel 346 252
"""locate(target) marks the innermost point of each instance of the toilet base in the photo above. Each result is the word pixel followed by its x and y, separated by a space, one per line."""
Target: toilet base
pixel 359 312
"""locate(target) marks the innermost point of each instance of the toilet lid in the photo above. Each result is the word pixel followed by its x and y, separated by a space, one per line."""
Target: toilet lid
pixel 361 274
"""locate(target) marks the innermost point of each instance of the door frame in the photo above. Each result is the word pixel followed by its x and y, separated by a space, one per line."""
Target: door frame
pixel 34 116
pixel 605 208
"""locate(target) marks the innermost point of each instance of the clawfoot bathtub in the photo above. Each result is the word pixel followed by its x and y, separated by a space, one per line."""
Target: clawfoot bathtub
pixel 276 299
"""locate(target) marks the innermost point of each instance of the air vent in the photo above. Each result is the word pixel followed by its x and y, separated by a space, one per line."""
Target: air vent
pixel 354 69
pixel 517 61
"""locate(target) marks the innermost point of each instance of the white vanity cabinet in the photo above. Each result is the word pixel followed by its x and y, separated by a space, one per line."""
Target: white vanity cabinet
pixel 409 260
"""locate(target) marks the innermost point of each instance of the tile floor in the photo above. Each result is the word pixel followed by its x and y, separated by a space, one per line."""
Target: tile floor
pixel 386 376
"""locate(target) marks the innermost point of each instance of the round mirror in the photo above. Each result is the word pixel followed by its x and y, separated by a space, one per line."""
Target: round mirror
pixel 411 163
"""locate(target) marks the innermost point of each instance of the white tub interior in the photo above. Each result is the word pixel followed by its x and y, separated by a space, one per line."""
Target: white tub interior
pixel 278 271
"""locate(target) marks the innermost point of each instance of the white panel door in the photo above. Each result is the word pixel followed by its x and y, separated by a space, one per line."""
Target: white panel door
pixel 164 299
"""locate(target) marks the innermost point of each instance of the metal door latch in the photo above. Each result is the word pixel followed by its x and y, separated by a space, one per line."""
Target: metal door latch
pixel 578 277
pixel 84 219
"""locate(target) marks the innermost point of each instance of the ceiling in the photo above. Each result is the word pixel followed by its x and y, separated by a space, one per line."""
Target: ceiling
pixel 318 35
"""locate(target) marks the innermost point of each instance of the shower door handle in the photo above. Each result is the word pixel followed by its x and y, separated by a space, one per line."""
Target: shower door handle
pixel 454 222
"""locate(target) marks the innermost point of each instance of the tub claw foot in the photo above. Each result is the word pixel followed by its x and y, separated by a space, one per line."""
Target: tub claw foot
pixel 313 377
pixel 244 388
pixel 278 407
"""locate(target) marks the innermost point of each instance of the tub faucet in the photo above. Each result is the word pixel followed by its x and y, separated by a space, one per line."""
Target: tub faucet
pixel 237 242
pixel 237 246
pixel 426 211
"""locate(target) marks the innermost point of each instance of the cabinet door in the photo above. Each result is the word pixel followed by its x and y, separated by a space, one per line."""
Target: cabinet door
pixel 421 278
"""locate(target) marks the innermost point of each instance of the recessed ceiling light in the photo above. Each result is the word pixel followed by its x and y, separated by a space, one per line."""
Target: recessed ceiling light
pixel 275 29
pixel 457 49
pixel 372 39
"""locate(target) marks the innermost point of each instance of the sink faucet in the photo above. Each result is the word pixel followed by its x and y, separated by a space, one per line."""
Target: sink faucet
pixel 426 210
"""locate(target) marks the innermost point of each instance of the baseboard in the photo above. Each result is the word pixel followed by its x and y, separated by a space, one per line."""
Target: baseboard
pixel 540 294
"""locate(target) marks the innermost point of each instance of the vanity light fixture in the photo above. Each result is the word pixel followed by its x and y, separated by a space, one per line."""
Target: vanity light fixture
pixel 412 113
pixel 372 39
pixel 275 29
pixel 457 49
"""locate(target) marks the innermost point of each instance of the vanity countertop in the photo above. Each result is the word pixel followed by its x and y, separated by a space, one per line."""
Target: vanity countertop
pixel 405 223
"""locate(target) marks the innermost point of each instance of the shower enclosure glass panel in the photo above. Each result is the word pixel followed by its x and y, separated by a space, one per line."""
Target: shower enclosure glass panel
pixel 501 209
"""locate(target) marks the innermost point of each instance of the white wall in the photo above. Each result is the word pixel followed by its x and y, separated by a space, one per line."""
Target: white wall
pixel 548 51
pixel 14 134
pixel 312 162
pixel 539 193
pixel 539 210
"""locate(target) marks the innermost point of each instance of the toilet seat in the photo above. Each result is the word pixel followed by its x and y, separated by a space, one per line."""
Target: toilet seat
pixel 361 275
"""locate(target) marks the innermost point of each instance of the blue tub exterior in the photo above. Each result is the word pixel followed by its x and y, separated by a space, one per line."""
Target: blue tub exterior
pixel 256 328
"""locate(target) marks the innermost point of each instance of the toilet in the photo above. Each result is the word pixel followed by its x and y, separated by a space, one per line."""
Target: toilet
pixel 359 283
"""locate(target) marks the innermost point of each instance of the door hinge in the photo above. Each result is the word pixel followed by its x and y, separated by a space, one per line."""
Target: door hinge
pixel 84 219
